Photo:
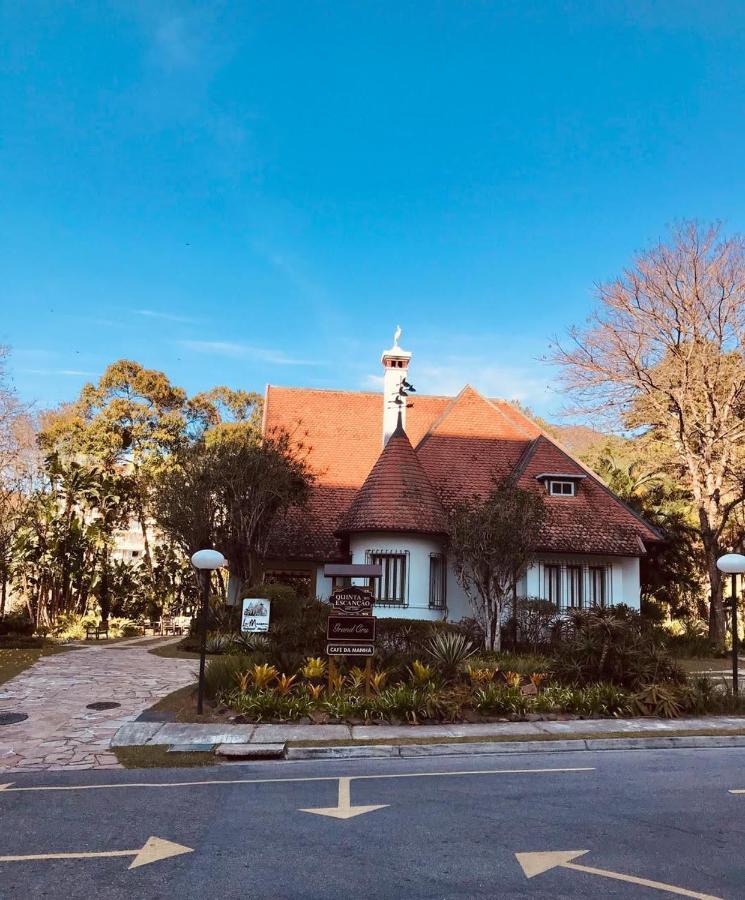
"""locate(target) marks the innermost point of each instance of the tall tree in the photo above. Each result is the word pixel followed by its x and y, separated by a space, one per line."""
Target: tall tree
pixel 132 418
pixel 664 353
pixel 671 573
pixel 227 492
pixel 17 459
pixel 492 540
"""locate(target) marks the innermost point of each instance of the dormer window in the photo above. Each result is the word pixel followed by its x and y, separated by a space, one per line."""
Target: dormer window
pixel 562 488
pixel 560 484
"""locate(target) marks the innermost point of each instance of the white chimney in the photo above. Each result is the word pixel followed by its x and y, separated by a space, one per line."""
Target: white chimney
pixel 395 370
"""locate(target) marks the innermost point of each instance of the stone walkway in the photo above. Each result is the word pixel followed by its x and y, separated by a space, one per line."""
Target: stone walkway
pixel 60 732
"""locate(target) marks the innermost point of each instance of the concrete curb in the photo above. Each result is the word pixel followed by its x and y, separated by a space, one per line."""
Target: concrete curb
pixel 490 748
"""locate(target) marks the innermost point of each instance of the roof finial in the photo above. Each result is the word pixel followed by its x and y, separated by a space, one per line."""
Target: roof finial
pixel 396 335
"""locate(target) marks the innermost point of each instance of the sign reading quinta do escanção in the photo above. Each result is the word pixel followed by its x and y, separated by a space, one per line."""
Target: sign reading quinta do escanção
pixel 353 601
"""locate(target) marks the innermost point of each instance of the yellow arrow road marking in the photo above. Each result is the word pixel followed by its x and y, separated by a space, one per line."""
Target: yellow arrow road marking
pixel 155 849
pixel 8 789
pixel 537 863
pixel 344 808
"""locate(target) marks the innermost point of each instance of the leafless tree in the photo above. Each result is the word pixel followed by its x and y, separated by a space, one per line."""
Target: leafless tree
pixel 664 353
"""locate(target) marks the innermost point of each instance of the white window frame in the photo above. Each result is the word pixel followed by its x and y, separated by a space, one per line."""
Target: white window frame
pixel 560 484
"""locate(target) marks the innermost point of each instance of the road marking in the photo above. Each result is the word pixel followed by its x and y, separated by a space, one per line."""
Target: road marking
pixel 344 808
pixel 155 849
pixel 9 789
pixel 738 791
pixel 536 863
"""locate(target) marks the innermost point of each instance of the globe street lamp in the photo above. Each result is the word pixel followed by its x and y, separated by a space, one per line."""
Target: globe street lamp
pixel 733 564
pixel 205 561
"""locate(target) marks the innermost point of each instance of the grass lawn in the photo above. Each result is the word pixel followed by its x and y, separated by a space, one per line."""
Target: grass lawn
pixel 173 651
pixel 708 664
pixel 155 757
pixel 13 662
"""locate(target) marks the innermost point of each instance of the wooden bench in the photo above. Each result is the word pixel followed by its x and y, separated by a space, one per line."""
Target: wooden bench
pixel 96 631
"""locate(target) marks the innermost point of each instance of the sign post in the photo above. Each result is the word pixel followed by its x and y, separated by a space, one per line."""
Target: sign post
pixel 350 630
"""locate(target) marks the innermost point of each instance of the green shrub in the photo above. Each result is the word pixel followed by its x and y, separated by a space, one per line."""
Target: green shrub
pixel 221 673
pixel 251 643
pixel 283 597
pixel 411 704
pixel 16 623
pixel 592 701
pixel 72 626
pixel 498 700
pixel 449 651
pixel 664 700
pixel 612 645
pixel 219 642
pixel 523 663
pixel 270 705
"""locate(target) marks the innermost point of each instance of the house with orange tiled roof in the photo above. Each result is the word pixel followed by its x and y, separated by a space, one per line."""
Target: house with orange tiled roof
pixel 387 471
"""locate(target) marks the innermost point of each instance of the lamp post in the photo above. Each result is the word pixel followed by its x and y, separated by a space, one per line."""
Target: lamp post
pixel 733 564
pixel 205 561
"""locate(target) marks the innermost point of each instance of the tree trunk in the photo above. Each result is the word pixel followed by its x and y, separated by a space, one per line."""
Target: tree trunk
pixel 492 630
pixel 717 624
pixel 3 593
pixel 104 597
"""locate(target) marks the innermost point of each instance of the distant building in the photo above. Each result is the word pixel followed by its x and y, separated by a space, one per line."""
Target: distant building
pixel 383 486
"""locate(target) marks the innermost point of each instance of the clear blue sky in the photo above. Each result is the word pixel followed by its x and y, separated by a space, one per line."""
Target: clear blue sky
pixel 249 192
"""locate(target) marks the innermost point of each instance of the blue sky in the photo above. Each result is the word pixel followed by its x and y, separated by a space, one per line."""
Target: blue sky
pixel 245 193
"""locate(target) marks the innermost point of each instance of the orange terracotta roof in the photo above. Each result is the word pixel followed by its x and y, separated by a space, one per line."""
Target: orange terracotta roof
pixel 592 521
pixel 396 495
pixel 461 444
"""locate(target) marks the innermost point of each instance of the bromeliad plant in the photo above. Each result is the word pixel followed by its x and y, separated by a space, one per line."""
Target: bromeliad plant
pixel 263 675
pixel 284 684
pixel 421 674
pixel 314 668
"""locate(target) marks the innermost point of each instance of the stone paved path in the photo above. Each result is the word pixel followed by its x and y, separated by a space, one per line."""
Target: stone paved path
pixel 60 733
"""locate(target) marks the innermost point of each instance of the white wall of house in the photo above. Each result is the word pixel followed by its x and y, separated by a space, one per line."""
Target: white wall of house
pixel 417 550
pixel 620 577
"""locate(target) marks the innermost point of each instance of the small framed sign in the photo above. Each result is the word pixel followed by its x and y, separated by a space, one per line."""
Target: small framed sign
pixel 255 616
pixel 351 628
pixel 349 649
pixel 353 601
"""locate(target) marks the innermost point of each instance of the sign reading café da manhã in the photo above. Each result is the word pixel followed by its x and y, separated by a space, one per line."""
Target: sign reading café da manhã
pixel 353 601
pixel 255 616
pixel 347 649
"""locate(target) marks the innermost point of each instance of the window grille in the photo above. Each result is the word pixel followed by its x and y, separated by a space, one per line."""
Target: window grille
pixel 437 580
pixel 598 578
pixel 576 585
pixel 391 588
pixel 575 594
pixel 553 584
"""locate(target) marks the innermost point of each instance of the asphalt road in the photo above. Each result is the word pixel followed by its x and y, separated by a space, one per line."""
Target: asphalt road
pixel 664 816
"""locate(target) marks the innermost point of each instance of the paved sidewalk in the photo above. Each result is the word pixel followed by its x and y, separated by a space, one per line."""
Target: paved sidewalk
pixel 60 732
pixel 152 733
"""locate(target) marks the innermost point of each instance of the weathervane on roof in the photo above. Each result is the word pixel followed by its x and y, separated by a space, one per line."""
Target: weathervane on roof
pixel 402 395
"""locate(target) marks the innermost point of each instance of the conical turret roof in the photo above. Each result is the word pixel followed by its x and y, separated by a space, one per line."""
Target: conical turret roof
pixel 397 494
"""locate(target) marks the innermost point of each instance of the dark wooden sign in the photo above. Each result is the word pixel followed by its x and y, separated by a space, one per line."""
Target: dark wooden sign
pixel 353 601
pixel 346 648
pixel 351 628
